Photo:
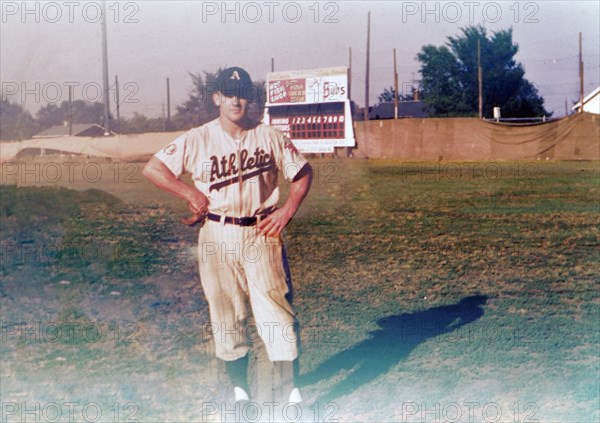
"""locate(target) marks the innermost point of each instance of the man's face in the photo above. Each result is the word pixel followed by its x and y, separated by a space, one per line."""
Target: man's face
pixel 231 108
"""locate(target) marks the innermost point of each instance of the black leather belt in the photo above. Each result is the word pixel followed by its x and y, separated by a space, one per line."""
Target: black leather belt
pixel 240 221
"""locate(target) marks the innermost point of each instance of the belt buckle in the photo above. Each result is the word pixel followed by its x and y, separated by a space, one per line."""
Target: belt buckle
pixel 246 221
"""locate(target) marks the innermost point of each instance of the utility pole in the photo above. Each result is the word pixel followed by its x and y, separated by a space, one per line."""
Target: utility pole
pixel 106 96
pixel 366 111
pixel 580 74
pixel 349 149
pixel 479 79
pixel 395 88
pixel 168 105
pixel 118 105
pixel 349 72
pixel 272 64
pixel 70 110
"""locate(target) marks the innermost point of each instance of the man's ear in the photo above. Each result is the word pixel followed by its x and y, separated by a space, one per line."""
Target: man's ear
pixel 216 97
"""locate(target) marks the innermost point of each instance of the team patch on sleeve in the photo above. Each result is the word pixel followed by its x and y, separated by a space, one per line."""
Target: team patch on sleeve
pixel 170 149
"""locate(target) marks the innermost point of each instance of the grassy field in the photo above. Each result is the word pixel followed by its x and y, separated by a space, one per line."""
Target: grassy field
pixel 426 292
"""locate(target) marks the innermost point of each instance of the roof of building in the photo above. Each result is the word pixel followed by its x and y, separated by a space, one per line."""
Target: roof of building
pixel 587 98
pixel 77 130
pixel 412 108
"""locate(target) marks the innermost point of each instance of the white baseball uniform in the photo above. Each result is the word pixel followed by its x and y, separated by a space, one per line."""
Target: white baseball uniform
pixel 239 177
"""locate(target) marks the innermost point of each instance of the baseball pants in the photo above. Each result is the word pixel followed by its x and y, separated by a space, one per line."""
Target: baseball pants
pixel 236 263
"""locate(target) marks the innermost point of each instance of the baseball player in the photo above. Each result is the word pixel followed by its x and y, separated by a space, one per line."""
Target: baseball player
pixel 234 163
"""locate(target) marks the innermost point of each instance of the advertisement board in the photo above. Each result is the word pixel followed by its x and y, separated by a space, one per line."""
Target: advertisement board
pixel 311 107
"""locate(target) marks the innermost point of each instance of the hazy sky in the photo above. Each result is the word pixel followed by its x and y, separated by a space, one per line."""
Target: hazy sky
pixel 46 46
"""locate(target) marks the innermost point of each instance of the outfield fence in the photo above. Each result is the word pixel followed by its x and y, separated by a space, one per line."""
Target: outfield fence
pixel 575 137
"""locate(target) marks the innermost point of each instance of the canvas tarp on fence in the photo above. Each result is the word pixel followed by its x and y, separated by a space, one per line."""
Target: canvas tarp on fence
pixel 119 147
pixel 576 137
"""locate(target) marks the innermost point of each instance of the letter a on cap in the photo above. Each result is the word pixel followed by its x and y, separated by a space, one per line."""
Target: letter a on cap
pixel 235 75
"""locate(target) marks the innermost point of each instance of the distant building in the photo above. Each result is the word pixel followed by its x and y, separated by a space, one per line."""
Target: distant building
pixel 358 113
pixel 77 130
pixel 591 103
pixel 406 109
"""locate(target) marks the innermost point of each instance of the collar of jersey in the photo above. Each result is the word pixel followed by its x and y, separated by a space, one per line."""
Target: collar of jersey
pixel 229 137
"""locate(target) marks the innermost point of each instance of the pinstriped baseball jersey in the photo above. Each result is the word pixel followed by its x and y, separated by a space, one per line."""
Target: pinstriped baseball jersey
pixel 239 177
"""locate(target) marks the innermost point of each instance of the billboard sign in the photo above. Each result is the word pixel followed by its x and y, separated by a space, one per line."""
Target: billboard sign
pixel 307 86
pixel 311 107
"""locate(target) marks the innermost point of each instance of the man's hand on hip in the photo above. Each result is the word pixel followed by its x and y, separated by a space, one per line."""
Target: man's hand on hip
pixel 197 202
pixel 273 224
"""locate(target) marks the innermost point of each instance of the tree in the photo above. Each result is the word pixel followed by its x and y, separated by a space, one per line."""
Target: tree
pixel 199 107
pixel 449 81
pixel 387 96
pixel 81 112
pixel 139 124
pixel 257 106
pixel 15 122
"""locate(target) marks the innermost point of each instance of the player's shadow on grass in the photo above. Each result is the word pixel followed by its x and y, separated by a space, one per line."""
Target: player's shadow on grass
pixel 397 337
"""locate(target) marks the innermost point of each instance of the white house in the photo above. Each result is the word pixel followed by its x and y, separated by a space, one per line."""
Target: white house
pixel 591 103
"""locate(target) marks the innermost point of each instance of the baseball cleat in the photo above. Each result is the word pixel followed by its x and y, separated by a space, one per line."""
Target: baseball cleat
pixel 240 394
pixel 295 396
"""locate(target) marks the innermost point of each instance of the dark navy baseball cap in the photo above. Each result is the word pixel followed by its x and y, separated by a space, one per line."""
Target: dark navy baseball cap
pixel 236 81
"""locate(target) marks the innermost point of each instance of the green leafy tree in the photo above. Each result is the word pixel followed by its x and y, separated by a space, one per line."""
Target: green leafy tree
pixel 257 106
pixel 449 83
pixel 81 112
pixel 15 122
pixel 199 108
pixel 387 96
pixel 139 124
